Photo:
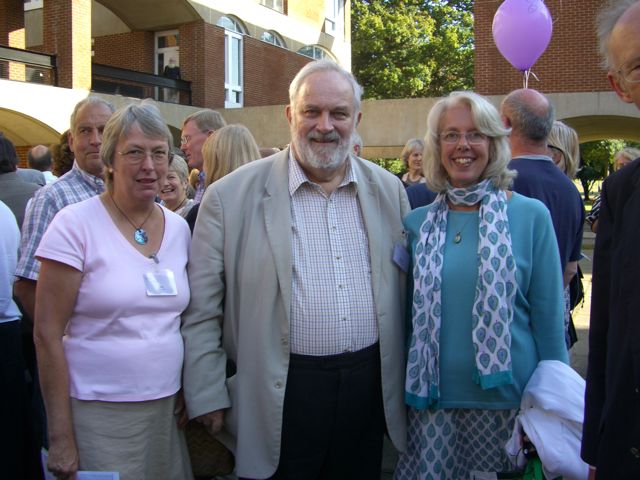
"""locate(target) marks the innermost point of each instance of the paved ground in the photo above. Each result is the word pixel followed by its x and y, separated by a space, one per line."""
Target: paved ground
pixel 578 353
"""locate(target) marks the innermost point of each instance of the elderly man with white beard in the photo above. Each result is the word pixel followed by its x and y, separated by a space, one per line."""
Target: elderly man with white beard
pixel 294 337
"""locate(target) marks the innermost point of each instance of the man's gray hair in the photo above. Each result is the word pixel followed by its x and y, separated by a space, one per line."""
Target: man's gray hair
pixel 206 120
pixel 605 23
pixel 324 65
pixel 82 103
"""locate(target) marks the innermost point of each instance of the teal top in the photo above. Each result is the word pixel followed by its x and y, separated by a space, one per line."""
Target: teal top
pixel 537 330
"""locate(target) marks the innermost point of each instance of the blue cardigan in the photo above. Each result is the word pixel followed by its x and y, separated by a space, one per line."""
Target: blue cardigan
pixel 537 329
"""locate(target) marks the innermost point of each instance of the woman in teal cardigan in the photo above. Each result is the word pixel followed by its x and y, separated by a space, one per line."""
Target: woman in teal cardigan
pixel 487 299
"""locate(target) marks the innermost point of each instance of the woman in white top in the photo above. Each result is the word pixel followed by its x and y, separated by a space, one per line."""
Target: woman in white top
pixel 111 290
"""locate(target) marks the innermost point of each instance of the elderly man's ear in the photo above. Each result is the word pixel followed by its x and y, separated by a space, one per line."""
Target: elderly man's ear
pixel 619 87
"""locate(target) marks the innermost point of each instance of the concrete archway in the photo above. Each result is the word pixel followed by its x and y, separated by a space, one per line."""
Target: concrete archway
pixel 147 15
pixel 22 129
pixel 602 127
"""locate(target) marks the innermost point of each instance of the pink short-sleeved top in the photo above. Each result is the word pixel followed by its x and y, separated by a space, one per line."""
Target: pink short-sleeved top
pixel 121 344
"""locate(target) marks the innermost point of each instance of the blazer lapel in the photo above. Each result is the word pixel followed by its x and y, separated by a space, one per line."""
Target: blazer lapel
pixel 277 220
pixel 369 199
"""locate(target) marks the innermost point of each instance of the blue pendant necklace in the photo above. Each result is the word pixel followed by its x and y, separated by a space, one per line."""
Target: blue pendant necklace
pixel 140 234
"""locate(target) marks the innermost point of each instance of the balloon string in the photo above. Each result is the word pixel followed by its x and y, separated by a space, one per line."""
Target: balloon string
pixel 525 77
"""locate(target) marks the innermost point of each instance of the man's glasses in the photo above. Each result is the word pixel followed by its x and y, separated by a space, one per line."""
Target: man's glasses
pixel 630 71
pixel 553 148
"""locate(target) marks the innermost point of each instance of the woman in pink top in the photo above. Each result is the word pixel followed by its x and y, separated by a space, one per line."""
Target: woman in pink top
pixel 111 290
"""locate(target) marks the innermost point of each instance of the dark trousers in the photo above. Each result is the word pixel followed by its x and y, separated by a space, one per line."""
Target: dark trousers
pixel 19 446
pixel 333 423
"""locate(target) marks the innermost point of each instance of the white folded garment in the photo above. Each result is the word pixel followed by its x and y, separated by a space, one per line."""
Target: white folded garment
pixel 551 414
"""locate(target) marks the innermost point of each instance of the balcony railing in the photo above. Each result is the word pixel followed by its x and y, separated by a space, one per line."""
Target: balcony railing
pixel 119 81
pixel 27 66
pixel 35 67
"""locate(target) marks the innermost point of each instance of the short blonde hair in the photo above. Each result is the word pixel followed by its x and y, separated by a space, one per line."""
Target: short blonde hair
pixel 409 147
pixel 487 121
pixel 227 149
pixel 565 138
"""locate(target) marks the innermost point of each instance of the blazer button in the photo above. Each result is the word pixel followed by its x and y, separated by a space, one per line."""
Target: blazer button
pixel 635 452
pixel 278 385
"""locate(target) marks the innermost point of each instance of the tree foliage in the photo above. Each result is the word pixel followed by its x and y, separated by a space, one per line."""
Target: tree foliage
pixel 597 161
pixel 412 48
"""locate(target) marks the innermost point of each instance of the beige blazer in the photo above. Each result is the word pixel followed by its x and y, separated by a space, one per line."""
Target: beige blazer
pixel 240 277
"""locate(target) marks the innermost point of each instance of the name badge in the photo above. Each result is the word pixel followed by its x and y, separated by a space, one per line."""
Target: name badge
pixel 401 257
pixel 160 283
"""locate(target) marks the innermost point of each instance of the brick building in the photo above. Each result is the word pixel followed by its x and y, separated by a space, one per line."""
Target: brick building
pixel 569 64
pixel 244 53
pixel 220 54
pixel 569 71
pixel 234 53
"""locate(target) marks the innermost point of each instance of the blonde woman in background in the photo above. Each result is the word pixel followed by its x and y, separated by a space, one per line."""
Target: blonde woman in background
pixel 193 179
pixel 620 159
pixel 412 158
pixel 564 148
pixel 224 151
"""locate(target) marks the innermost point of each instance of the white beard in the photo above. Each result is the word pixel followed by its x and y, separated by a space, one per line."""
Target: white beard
pixel 321 156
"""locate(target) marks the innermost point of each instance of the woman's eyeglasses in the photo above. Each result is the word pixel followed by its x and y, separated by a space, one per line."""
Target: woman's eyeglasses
pixel 137 155
pixel 472 138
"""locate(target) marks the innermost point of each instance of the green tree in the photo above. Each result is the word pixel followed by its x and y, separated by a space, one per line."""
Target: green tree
pixel 393 165
pixel 412 48
pixel 597 157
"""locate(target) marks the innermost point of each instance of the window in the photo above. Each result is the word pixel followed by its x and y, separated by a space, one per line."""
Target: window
pixel 32 4
pixel 333 21
pixel 273 38
pixel 314 51
pixel 234 30
pixel 274 4
pixel 168 63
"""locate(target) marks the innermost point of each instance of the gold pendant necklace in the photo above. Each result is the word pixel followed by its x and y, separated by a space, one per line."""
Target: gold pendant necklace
pixel 457 238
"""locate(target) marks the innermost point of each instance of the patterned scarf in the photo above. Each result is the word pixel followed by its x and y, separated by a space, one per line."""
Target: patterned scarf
pixel 493 304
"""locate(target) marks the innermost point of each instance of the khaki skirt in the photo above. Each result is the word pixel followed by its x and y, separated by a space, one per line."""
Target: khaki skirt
pixel 140 440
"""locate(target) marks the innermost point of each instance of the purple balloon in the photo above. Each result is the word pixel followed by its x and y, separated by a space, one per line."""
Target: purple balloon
pixel 522 31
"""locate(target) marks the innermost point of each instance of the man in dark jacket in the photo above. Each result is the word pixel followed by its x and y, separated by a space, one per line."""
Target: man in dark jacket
pixel 611 436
